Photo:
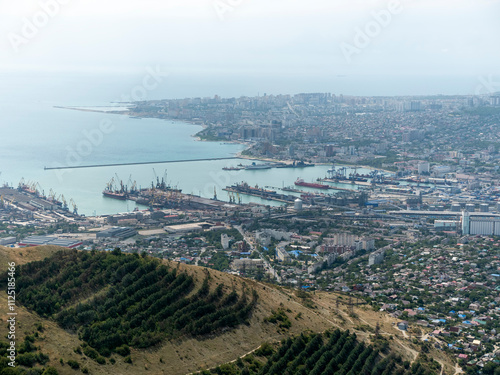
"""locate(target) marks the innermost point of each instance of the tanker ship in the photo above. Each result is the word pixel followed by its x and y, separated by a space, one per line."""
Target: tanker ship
pixel 300 182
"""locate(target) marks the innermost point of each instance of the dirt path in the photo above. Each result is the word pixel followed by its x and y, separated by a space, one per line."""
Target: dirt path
pixel 458 369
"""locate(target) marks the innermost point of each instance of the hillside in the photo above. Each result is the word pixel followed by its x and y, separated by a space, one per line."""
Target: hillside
pixel 333 352
pixel 182 353
pixel 24 255
pixel 272 313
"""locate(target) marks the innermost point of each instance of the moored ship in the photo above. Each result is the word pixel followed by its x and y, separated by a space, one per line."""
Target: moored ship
pixel 301 182
pixel 255 166
pixel 114 194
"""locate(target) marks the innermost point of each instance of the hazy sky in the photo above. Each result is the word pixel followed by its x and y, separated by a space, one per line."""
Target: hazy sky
pixel 240 37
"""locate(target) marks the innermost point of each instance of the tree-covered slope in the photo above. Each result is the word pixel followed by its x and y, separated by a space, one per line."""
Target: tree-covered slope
pixel 114 300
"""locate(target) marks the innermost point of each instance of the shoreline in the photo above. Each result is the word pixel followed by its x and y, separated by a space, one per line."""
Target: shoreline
pixel 204 126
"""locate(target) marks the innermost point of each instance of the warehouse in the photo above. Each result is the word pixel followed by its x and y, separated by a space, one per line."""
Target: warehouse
pixel 480 225
pixel 117 232
pixel 47 240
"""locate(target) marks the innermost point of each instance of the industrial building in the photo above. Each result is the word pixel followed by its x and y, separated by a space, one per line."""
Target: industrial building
pixel 442 215
pixel 446 224
pixel 129 217
pixel 47 240
pixel 117 233
pixel 7 241
pixel 190 227
pixel 482 225
pixel 470 223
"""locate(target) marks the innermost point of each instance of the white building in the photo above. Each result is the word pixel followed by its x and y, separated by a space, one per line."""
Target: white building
pixel 465 222
pixel 246 264
pixel 281 253
pixel 480 225
pixel 445 224
pixel 376 258
pixel 264 237
pixel 224 240
pixel 423 167
pixel 351 240
pixel 440 171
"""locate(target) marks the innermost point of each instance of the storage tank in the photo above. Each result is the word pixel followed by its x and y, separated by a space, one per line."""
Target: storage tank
pixel 471 207
pixel 484 207
pixel 297 204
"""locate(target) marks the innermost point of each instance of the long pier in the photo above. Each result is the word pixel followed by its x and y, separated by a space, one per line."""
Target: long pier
pixel 137 163
pixel 269 197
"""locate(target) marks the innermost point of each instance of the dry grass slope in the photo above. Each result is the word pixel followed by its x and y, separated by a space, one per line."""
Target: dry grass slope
pixel 186 355
pixel 24 255
pixel 178 357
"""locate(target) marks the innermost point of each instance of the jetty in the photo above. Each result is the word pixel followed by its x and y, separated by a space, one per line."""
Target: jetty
pixel 138 163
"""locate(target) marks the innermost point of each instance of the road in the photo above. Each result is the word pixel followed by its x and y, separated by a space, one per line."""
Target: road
pixel 267 266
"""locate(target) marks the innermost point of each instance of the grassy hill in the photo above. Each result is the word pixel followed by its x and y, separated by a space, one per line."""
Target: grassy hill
pixel 66 318
pixel 24 255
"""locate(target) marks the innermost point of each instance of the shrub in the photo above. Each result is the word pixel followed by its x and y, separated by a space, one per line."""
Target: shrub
pixel 73 364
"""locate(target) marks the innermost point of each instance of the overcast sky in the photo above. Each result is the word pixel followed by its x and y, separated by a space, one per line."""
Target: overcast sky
pixel 238 37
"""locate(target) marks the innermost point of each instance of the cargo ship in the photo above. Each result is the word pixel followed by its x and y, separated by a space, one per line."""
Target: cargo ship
pixel 114 194
pixel 301 182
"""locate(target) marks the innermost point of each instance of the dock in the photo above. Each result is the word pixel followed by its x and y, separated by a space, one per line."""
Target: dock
pixel 271 197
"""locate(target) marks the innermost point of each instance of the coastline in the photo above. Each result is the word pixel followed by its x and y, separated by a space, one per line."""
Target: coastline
pixel 238 155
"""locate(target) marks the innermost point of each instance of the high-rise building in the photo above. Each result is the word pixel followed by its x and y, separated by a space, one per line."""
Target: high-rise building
pixel 224 239
pixel 465 222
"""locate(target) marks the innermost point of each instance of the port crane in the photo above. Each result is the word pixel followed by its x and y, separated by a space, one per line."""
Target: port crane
pixel 133 185
pixel 64 203
pixel 41 189
pixel 156 178
pixel 21 184
pixel 110 184
pixel 122 188
pixel 164 180
pixel 73 204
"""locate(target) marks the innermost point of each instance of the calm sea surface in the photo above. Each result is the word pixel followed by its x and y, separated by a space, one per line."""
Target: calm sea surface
pixel 35 134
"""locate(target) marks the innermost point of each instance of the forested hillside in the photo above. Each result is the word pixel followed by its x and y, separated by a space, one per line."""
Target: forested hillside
pixel 332 353
pixel 134 301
